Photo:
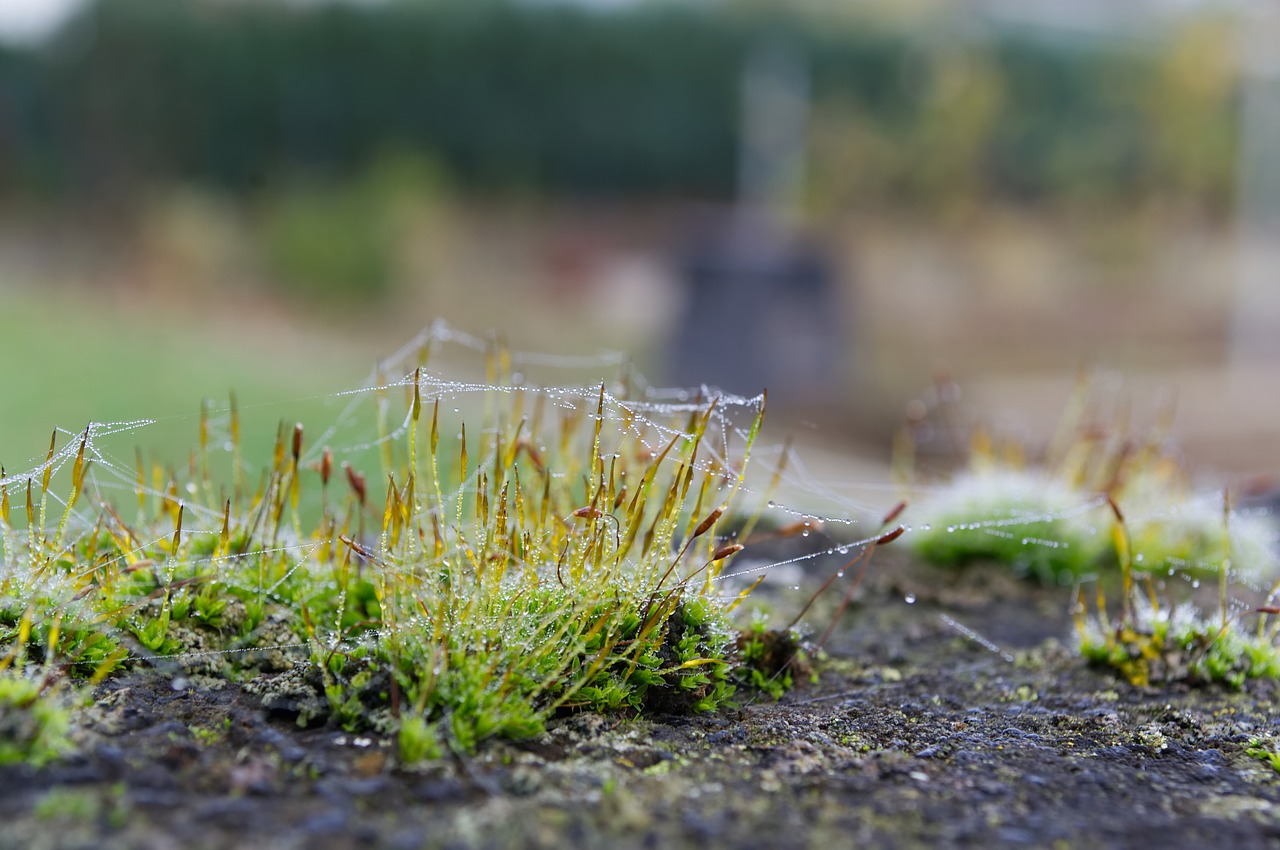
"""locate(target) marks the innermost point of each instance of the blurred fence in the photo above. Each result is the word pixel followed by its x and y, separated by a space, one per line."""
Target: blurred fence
pixel 638 100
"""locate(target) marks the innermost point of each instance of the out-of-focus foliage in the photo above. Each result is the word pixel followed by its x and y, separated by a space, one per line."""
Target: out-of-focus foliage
pixel 332 241
pixel 639 100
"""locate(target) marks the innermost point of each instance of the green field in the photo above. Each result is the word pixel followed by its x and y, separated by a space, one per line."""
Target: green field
pixel 74 357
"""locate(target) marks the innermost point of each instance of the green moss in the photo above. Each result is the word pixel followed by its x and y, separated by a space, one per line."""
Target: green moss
pixel 1156 646
pixel 531 564
pixel 33 722
pixel 417 740
pixel 68 804
pixel 1050 521
pixel 772 658
pixel 1265 752
pixel 1021 518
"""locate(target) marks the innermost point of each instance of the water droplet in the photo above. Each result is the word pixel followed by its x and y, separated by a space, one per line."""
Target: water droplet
pixel 840 574
pixel 910 599
pixel 951 529
pixel 772 504
pixel 804 533
pixel 1195 583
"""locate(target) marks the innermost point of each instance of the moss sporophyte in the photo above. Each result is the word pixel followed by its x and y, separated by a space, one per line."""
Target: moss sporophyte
pixel 563 555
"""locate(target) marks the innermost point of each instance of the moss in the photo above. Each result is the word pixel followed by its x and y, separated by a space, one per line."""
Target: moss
pixel 1049 520
pixel 530 565
pixel 1019 517
pixel 34 722
pixel 773 659
pixel 1265 752
pixel 68 804
pixel 1159 645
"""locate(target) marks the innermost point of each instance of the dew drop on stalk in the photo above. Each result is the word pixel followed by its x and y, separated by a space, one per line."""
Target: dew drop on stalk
pixel 910 599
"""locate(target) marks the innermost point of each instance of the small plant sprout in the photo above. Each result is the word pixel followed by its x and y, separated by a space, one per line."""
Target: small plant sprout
pixel 560 550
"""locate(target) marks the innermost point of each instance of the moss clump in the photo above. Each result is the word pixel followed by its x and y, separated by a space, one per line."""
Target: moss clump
pixel 772 659
pixel 1176 533
pixel 34 722
pixel 1158 647
pixel 1151 642
pixel 1264 751
pixel 1019 517
pixel 1043 519
pixel 539 558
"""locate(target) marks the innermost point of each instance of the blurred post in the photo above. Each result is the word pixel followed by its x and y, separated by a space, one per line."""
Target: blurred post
pixel 775 123
pixel 1255 337
pixel 768 287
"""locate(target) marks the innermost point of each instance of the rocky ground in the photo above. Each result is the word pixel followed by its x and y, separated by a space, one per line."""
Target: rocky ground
pixel 961 718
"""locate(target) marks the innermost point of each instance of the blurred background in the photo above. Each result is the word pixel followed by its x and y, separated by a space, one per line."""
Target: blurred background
pixel 852 203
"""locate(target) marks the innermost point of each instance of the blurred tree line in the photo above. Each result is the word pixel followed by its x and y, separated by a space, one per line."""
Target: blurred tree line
pixel 641 100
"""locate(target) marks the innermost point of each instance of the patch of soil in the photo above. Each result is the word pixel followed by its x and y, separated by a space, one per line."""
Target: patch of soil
pixel 962 718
